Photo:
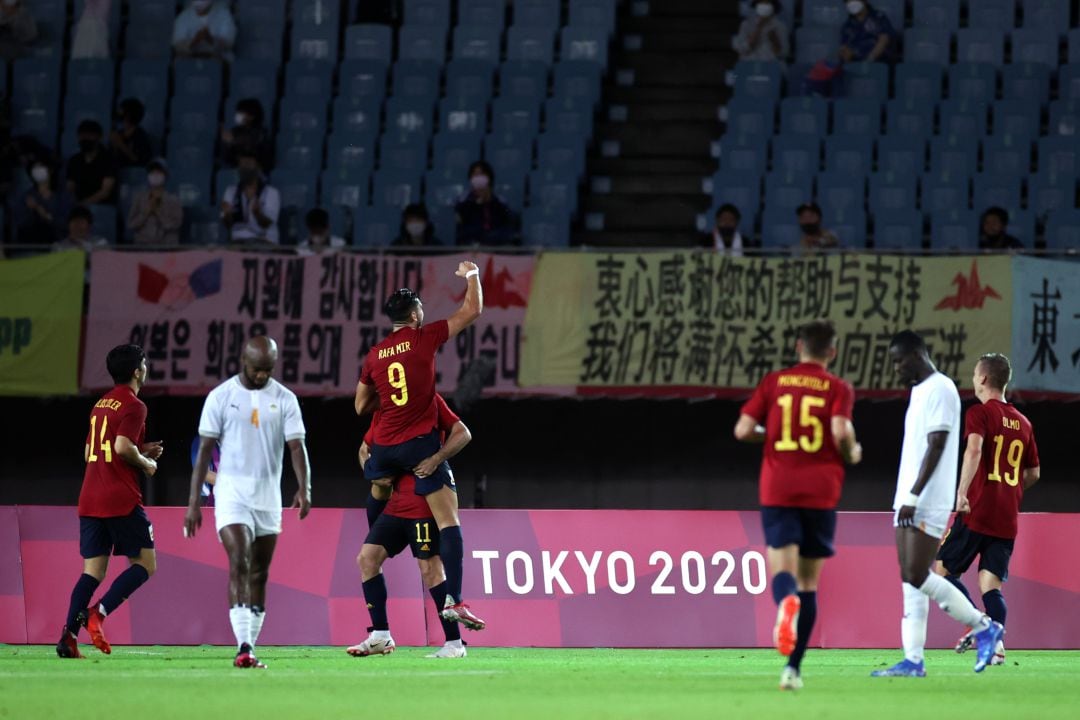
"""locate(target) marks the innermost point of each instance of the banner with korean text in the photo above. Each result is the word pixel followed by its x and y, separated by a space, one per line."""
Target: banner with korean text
pixel 192 311
pixel 690 322
pixel 40 316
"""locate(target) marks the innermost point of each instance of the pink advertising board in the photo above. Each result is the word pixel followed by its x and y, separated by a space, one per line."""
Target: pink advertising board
pixel 546 578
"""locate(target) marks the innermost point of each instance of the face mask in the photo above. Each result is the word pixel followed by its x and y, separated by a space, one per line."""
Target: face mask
pixel 764 10
pixel 479 182
pixel 247 177
pixel 855 7
pixel 156 179
pixel 87 146
pixel 40 174
pixel 239 118
pixel 726 232
pixel 415 229
pixel 810 228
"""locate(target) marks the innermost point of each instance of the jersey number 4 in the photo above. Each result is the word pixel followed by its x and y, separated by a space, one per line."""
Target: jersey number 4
pixel 102 441
pixel 395 374
pixel 807 420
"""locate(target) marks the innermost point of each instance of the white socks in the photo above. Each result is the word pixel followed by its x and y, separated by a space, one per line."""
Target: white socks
pixel 454 643
pixel 380 634
pixel 240 619
pixel 257 619
pixel 913 625
pixel 953 602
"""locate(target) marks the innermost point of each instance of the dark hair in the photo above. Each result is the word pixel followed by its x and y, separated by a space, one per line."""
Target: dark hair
pixel 485 166
pixel 90 126
pixel 122 362
pixel 997 368
pixel 81 212
pixel 317 218
pixel 729 208
pixel 399 305
pixel 133 109
pixel 254 108
pixel 1001 213
pixel 812 207
pixel 908 341
pixel 817 337
pixel 415 210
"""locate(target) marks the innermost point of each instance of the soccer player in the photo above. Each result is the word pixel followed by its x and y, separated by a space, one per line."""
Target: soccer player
pixel 808 436
pixel 249 416
pixel 399 377
pixel 925 491
pixel 407 522
pixel 992 484
pixel 111 518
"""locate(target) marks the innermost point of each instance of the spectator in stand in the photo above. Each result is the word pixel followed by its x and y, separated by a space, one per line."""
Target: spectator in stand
pixel 91 173
pixel 416 228
pixel 42 219
pixel 482 217
pixel 992 226
pixel 319 240
pixel 250 208
pixel 18 29
pixel 762 35
pixel 249 134
pixel 81 231
pixel 91 36
pixel 867 35
pixel 814 236
pixel 726 238
pixel 156 214
pixel 129 142
pixel 204 29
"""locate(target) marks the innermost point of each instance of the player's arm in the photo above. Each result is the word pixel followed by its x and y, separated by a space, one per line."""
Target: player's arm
pixel 459 437
pixel 843 433
pixel 299 457
pixel 199 469
pixel 934 449
pixel 1031 476
pixel 366 400
pixel 749 430
pixel 968 468
pixel 129 451
pixel 473 304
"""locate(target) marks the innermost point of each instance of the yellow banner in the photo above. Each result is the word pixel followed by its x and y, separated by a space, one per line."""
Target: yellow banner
pixel 40 320
pixel 694 319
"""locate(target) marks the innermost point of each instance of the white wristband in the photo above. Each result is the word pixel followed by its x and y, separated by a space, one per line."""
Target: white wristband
pixel 472 273
pixel 912 500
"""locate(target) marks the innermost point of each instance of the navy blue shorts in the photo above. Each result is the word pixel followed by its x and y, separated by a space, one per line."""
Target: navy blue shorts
pixel 390 461
pixel 962 544
pixel 126 535
pixel 811 530
pixel 395 534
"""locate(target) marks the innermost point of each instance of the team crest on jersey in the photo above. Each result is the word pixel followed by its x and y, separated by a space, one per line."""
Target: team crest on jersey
pixel 425 547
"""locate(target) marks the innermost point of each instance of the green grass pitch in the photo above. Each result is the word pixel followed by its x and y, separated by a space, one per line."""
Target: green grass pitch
pixel 161 683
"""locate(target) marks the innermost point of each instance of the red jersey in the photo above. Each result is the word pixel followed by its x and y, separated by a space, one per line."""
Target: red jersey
pixel 998 486
pixel 801 467
pixel 402 369
pixel 110 486
pixel 405 503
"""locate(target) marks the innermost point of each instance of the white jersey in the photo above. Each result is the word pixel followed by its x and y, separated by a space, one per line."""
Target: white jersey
pixel 934 407
pixel 252 427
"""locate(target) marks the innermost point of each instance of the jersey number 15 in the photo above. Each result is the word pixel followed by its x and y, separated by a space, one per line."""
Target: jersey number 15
pixel 810 443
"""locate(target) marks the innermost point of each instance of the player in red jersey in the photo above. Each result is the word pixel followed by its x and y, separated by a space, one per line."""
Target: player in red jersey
pixel 399 377
pixel 407 522
pixel 1000 462
pixel 808 436
pixel 111 517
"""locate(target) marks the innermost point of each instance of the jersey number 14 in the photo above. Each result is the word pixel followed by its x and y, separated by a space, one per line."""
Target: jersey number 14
pixel 102 441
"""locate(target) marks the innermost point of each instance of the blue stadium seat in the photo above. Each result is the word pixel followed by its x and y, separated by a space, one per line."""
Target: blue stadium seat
pixel 1069 82
pixel 357 115
pixel 147 80
pixel 511 161
pixel 927 45
pixel 376 226
pixel 788 190
pixel 856 117
pixel 1035 46
pixel 312 79
pixel 345 188
pixel 796 154
pixel 553 191
pixel 1063 230
pixel 192 185
pixel 743 190
pixel 804 116
pixel 895 10
pixel 848 224
pixel 545 228
pixel 898 230
pixel 149 30
pixel 562 152
pixel 313 12
pixel 578 80
pixel 203 226
pixel 299 150
pixel 1018 119
pixel 396 188
pixel 349 152
pixel 303 113
pixel 962 117
pixel 779 227
pixel 481 13
pixel 105 223
pixel 813 43
pixel 992 15
pixel 297 187
pixel 530 43
pixel 187 150
pixel 1059 155
pixel 750 117
pixel 593 13
pixel 417 79
pixel 1074 45
pixel 1007 155
pixel 891 191
pixel 955 230
pixel 511 189
pixel 758 79
pixel 940 14
pixel 945 191
pixel 1049 191
pixel 980 45
pixel 362 78
pixel 837 190
pixel 973 82
pixel 223 179
pixel 996 190
pixel 867 80
pixel 91 79
pixel 585 44
pixel 405 158
pixel 1022 226
pixel 515 115
pixel 441 190
pixel 852 154
pixel 1064 118
pixel 314 41
pixel 409 116
pixel 918 81
pixel 261 33
pixel 1047 15
pixel 463 115
pixel 954 153
pixel 435 13
pixel 1025 82
pixel 452 153
pixel 901 154
pixel 537 13
pixel 369 42
pixel 477 42
pixel 824 13
pixel 194 116
pixel 744 153
pixel 254 79
pixel 564 115
pixel 523 79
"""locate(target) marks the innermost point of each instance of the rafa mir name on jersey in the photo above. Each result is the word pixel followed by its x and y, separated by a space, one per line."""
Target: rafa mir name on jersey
pixel 401 347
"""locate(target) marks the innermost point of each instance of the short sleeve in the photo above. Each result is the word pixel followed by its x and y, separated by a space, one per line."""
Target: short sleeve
pixel 131 421
pixel 211 420
pixel 755 407
pixel 436 334
pixel 1031 454
pixel 975 420
pixel 843 404
pixel 294 420
pixel 365 371
pixel 942 408
pixel 447 418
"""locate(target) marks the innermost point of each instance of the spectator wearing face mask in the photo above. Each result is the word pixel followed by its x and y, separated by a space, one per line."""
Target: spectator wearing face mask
pixel 867 35
pixel 250 208
pixel 156 214
pixel 762 36
pixel 814 236
pixel 992 227
pixel 91 173
pixel 42 220
pixel 18 29
pixel 129 142
pixel 204 29
pixel 247 135
pixel 81 231
pixel 482 217
pixel 319 240
pixel 416 228
pixel 726 238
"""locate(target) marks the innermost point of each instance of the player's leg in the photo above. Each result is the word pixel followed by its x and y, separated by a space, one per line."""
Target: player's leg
pixel 94 546
pixel 377 499
pixel 955 555
pixel 443 504
pixel 237 539
pixel 913 622
pixel 783 533
pixel 819 529
pixel 133 537
pixel 431 569
pixel 993 571
pixel 371 558
pixel 262 554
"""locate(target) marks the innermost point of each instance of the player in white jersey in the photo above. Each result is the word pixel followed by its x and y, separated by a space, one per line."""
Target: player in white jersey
pixel 925 493
pixel 250 416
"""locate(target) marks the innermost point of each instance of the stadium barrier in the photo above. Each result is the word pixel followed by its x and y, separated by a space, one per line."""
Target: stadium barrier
pixel 545 578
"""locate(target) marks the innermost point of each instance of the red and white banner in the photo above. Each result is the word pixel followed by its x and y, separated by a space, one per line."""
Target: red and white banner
pixel 192 312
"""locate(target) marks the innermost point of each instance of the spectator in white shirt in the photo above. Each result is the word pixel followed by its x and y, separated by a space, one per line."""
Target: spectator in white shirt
pixel 726 236
pixel 204 29
pixel 250 208
pixel 762 36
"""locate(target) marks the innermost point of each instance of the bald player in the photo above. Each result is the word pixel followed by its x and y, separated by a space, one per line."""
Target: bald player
pixel 250 416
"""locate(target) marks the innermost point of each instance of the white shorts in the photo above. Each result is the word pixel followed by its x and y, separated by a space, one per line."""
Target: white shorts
pixel 931 522
pixel 261 522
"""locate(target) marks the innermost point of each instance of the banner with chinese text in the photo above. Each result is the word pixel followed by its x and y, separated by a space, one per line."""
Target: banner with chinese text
pixel 193 311
pixel 695 320
pixel 40 314
pixel 1046 325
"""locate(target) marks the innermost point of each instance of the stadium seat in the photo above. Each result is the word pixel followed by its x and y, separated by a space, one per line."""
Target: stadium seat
pixel 927 44
pixel 940 14
pixel 838 190
pixel 362 78
pixel 758 79
pixel 1017 119
pixel 90 80
pixel 848 224
pixel 743 190
pixel 901 154
pixel 996 190
pixel 417 79
pixel 813 43
pixel 553 191
pixel 299 150
pixel 914 118
pixel 823 13
pixel 261 35
pixel 375 227
pixel 453 153
pixel 509 160
pixel 203 226
pixel 1047 15
pixel 744 153
pixel 254 79
pixel 395 156
pixel 477 42
pixel 514 115
pixel 973 82
pixel 898 230
pixel 1025 82
pixel 895 10
pixel 779 228
pixel 1064 118
pixel 198 78
pixel 918 82
pixel 344 187
pixel 578 80
pixel 193 116
pixel 963 117
pixel 954 230
pixel 1074 45
pixel 852 154
pixel 309 78
pixel 1035 46
pixel 954 153
pixel 443 191
pixel 357 116
pixel 1022 226
pixel 396 188
pixel 564 115
pixel 434 13
pixel 192 186
pixel 788 190
pixel 1063 230
pixel 537 13
pixel 980 44
pixel 992 15
pixel 482 13
pixel 147 80
pixel 804 116
pixel 463 115
pixel 545 228
pixel 350 153
pixel 149 30
pixel 303 113
pixel 796 154
pixel 296 186
pixel 562 152
pixel 224 178
pixel 867 80
pixel 593 13
pixel 1058 155
pixel 369 42
pixel 314 12
pixel 1007 155
pixel 856 117
pixel 891 191
pixel 585 44
pixel 523 79
pixel 1069 82
pixel 530 43
pixel 409 116
pixel 750 117
pixel 945 191
pixel 1049 191
pixel 317 40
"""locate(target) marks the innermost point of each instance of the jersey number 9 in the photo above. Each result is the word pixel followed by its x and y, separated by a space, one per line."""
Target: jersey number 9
pixel 395 374
pixel 807 443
